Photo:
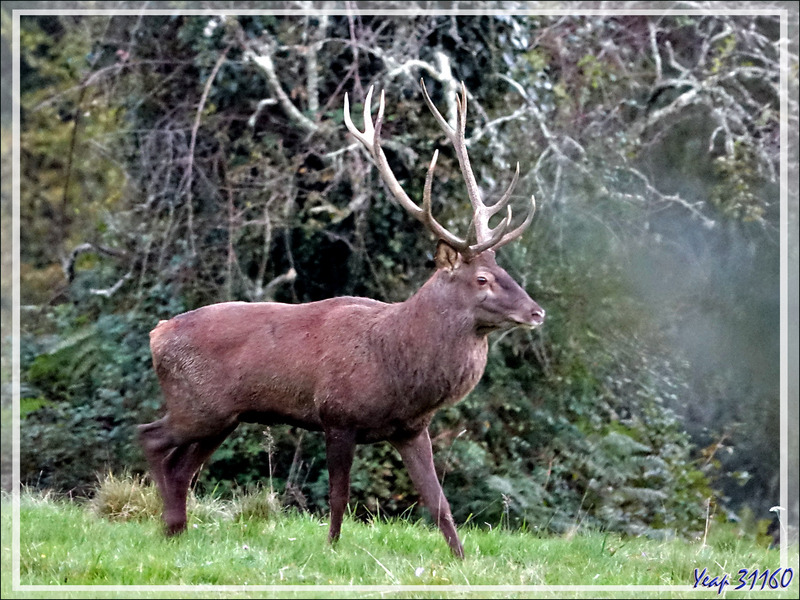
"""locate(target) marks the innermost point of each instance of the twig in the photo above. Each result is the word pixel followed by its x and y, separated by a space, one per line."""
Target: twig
pixel 192 144
pixel 231 258
pixel 655 50
pixel 708 519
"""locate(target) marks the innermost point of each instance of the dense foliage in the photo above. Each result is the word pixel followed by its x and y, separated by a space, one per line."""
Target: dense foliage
pixel 174 161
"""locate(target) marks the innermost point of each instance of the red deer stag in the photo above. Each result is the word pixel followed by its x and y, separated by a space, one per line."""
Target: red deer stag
pixel 359 370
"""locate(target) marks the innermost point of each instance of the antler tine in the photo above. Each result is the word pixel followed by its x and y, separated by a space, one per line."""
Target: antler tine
pixel 376 132
pixel 520 229
pixel 448 130
pixel 500 204
pixel 458 138
pixel 364 138
pixel 461 113
pixel 370 139
pixel 498 236
pixel 455 241
pixel 426 191
pixel 494 236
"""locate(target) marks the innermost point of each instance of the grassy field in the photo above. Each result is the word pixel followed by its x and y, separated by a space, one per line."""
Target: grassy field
pixel 67 543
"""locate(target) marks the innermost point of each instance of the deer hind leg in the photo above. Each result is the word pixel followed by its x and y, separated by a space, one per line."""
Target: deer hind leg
pixel 156 443
pixel 340 447
pixel 180 467
pixel 418 458
pixel 173 464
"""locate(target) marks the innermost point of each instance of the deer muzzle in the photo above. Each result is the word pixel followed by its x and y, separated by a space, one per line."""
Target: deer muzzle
pixel 531 316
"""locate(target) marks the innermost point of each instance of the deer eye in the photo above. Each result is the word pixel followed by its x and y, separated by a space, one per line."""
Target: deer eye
pixel 482 280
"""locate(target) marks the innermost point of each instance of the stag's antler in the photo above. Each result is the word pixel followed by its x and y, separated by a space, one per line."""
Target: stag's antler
pixel 370 139
pixel 485 236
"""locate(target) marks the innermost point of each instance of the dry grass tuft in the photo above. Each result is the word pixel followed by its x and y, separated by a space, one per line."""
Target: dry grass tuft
pixel 126 498
pixel 135 498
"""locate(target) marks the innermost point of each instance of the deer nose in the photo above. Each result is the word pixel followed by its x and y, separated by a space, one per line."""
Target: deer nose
pixel 537 316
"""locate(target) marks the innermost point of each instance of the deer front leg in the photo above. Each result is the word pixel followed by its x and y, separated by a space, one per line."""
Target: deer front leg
pixel 340 446
pixel 418 457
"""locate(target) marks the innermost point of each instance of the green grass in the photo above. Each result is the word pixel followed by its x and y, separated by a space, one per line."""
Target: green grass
pixel 67 542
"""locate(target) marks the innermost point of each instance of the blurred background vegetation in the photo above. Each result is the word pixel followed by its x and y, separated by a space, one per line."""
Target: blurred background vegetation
pixel 171 161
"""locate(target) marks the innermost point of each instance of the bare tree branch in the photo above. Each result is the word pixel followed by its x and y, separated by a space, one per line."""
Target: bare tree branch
pixel 262 57
pixel 110 291
pixel 68 264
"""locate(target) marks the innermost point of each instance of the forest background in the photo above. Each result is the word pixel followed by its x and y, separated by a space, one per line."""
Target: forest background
pixel 169 161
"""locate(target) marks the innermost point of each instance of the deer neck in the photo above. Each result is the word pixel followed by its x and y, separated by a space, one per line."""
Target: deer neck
pixel 435 313
pixel 433 344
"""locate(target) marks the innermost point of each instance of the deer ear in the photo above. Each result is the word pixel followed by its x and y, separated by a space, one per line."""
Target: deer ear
pixel 447 257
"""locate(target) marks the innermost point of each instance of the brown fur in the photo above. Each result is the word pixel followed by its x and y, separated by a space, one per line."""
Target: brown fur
pixel 357 369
